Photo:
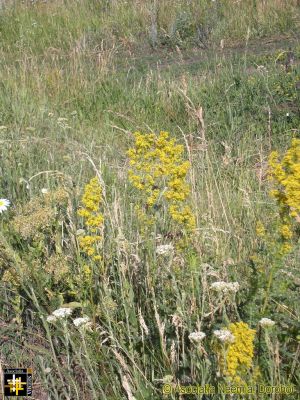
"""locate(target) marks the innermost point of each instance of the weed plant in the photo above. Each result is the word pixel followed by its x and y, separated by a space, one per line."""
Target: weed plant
pixel 143 243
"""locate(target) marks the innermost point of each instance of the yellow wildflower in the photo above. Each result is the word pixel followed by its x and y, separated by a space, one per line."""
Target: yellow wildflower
pixel 285 175
pixel 286 232
pixel 260 229
pixel 285 248
pixel 91 200
pixel 158 169
pixel 240 352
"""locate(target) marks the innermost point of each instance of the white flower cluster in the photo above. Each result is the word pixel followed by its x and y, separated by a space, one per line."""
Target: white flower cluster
pixel 197 336
pixel 165 249
pixel 261 68
pixel 224 335
pixel 64 312
pixel 51 318
pixel 59 314
pixel 81 322
pixel 225 287
pixel 266 322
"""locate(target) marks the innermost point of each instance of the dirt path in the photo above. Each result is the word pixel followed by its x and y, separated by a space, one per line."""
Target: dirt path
pixel 163 58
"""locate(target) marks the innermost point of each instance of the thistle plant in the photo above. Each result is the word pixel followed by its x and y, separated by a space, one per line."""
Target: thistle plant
pixel 158 170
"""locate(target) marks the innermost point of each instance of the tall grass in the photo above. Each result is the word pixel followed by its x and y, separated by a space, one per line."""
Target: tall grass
pixel 77 79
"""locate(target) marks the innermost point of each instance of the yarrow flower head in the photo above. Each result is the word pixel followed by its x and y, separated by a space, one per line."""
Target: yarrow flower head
pixel 225 287
pixel 197 336
pixel 165 249
pixel 62 312
pixel 4 204
pixel 261 68
pixel 51 318
pixel 266 322
pixel 224 335
pixel 83 321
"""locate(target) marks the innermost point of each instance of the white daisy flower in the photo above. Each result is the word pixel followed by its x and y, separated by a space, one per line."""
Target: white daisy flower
pixel 165 249
pixel 197 336
pixel 44 191
pixel 4 203
pixel 51 318
pixel 81 321
pixel 62 312
pixel 224 335
pixel 266 322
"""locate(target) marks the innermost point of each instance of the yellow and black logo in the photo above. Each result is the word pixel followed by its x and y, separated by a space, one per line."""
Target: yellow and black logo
pixel 17 382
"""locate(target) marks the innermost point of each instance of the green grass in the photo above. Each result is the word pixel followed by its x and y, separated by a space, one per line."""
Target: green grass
pixel 76 80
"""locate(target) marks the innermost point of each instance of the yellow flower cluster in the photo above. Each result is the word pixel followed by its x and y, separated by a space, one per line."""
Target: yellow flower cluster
pixel 286 232
pixel 260 229
pixel 240 353
pixel 91 200
pixel 286 177
pixel 158 169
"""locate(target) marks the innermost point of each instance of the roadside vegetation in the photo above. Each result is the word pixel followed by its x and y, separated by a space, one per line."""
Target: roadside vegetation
pixel 150 196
